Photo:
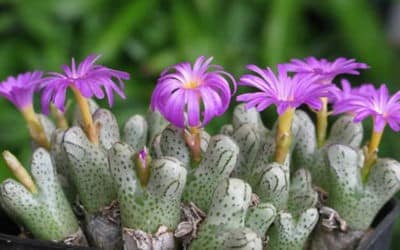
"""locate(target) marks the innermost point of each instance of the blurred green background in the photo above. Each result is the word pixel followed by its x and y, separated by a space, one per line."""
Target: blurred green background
pixel 144 36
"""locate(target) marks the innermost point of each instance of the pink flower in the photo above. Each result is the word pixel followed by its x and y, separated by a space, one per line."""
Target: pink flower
pixel 376 103
pixel 325 70
pixel 347 91
pixel 192 96
pixel 19 90
pixel 282 90
pixel 89 78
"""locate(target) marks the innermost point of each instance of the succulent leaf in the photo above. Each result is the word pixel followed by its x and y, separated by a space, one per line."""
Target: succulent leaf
pixel 302 195
pixel 304 140
pixel 259 218
pixel 135 132
pixel 223 227
pixel 147 208
pixel 47 213
pixel 227 129
pixel 156 123
pixel 289 233
pixel 89 170
pixel 108 130
pixel 273 186
pixel 345 131
pixel 358 203
pixel 216 165
pixel 241 116
pixel 249 142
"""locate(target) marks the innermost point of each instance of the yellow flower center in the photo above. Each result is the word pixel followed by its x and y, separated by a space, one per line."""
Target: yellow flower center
pixel 191 84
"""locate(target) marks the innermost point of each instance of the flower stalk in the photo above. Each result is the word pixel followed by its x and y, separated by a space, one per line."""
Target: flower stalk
pixel 19 171
pixel 87 120
pixel 193 140
pixel 61 121
pixel 36 129
pixel 283 135
pixel 322 122
pixel 371 154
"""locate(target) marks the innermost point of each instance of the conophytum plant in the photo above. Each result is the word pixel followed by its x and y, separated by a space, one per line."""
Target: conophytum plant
pixel 163 182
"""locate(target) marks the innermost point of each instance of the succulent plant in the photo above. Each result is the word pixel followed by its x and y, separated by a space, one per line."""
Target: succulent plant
pixel 230 223
pixel 88 169
pixel 166 183
pixel 45 211
pixel 147 206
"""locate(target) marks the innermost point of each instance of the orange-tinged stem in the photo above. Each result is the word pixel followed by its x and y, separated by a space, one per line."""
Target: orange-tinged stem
pixel 36 129
pixel 193 140
pixel 19 171
pixel 283 136
pixel 88 124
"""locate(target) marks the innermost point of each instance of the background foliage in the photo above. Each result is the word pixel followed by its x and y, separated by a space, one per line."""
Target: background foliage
pixel 144 36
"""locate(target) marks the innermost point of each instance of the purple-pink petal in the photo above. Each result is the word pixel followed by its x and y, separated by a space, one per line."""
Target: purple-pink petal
pixel 90 79
pixel 281 89
pixel 324 69
pixel 19 90
pixel 367 101
pixel 200 93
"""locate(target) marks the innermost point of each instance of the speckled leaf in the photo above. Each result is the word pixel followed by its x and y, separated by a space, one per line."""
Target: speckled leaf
pixel 61 162
pixel 216 165
pixel 358 204
pixel 223 227
pixel 304 140
pixel 226 129
pixel 345 131
pixel 140 207
pixel 120 157
pixel 46 214
pixel 135 132
pixel 23 207
pixel 259 218
pixel 109 131
pixel 242 116
pixel 249 142
pixel 156 123
pixel 229 204
pixel 89 170
pixel 273 186
pixel 242 239
pixel 320 170
pixel 167 178
pixel 51 193
pixel 289 233
pixel 343 162
pixel 301 195
pixel 155 147
pixel 172 143
pixel 264 157
pixel 58 153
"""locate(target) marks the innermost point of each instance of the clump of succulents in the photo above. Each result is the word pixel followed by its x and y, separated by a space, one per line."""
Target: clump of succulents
pixel 165 182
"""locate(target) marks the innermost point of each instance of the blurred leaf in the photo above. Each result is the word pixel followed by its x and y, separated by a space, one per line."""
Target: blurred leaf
pixel 279 34
pixel 363 33
pixel 128 18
